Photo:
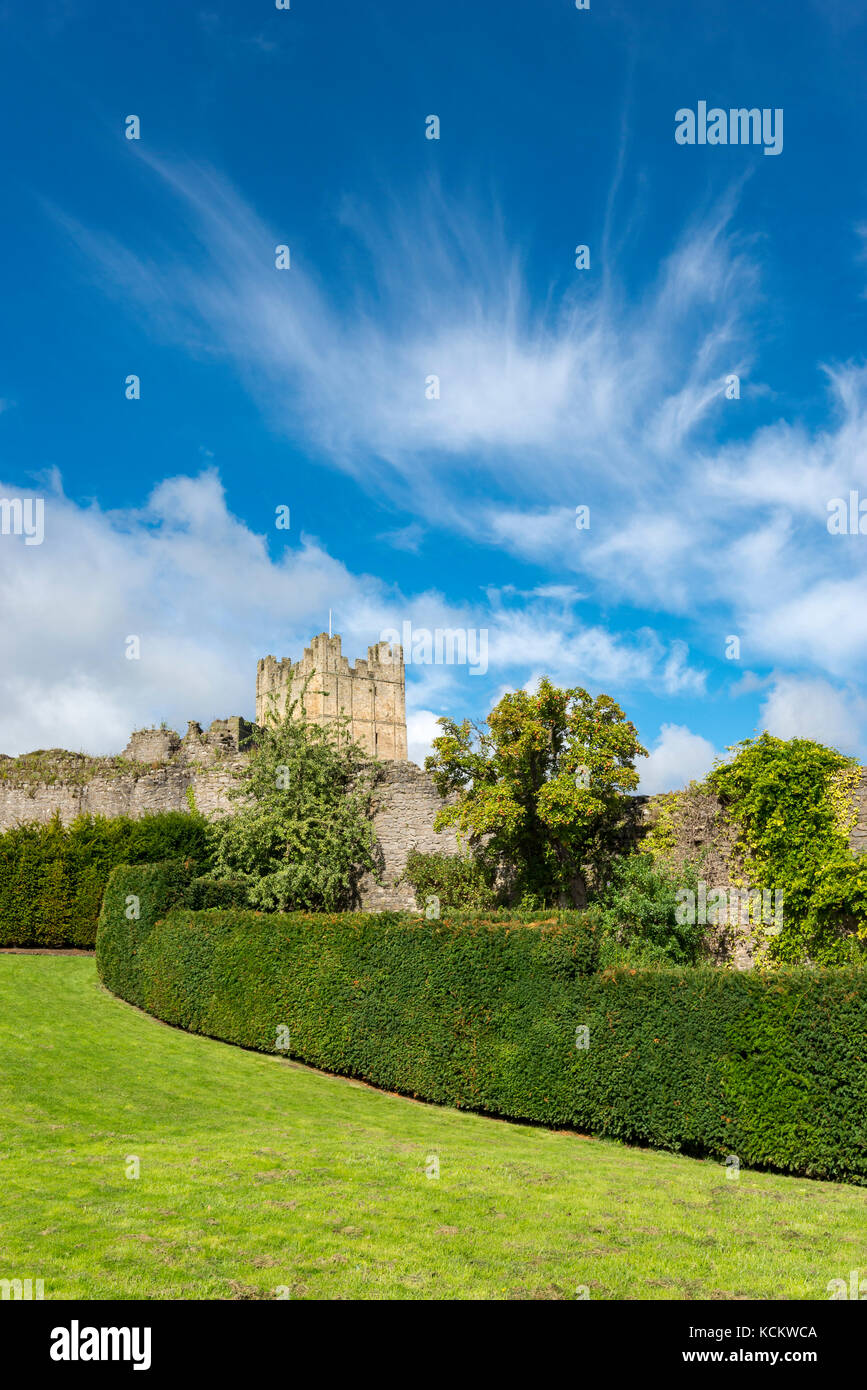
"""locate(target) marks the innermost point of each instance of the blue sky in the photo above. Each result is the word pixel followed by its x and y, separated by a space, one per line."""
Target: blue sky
pixel 455 257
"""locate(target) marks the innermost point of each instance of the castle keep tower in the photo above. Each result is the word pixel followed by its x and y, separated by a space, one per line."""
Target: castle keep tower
pixel 371 693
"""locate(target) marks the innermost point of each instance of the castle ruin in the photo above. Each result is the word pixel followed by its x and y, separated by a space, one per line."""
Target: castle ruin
pixel 370 694
pixel 160 771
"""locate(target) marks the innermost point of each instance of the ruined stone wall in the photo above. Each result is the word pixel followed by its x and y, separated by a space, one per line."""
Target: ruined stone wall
pixel 698 832
pixel 132 794
pixel 406 801
pixel 155 772
pixel 404 819
pixel 371 693
pixel 151 745
pixel 704 835
pixel 858 834
pixel 703 830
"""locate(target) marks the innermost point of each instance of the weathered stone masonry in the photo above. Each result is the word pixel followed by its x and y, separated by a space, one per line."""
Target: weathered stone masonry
pixel 407 803
pixel 158 769
pixel 371 694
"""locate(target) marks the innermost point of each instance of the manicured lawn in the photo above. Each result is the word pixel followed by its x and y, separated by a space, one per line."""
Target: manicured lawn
pixel 257 1174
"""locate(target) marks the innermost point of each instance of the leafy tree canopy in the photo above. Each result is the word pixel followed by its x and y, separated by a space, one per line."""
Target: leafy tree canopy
pixel 542 785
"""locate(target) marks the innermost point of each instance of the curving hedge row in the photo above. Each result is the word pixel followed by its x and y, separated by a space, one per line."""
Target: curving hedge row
pixel 488 1015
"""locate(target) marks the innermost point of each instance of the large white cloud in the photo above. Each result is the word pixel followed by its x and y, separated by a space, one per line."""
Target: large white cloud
pixel 678 756
pixel 205 599
pixel 191 582
pixel 803 707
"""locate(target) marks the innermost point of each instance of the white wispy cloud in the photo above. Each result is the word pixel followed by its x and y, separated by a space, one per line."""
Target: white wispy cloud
pixel 404 537
pixel 585 376
pixel 206 599
pixel 581 396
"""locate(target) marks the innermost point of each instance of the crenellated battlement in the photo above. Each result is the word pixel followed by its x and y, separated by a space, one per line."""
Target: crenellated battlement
pixel 371 694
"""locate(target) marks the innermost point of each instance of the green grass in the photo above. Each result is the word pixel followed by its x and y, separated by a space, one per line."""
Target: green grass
pixel 258 1173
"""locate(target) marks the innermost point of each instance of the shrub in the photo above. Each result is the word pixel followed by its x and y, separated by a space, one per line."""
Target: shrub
pixel 486 1015
pixel 52 877
pixel 838 907
pixel 457 880
pixel 135 898
pixel 205 891
pixel 639 917
pixel 170 835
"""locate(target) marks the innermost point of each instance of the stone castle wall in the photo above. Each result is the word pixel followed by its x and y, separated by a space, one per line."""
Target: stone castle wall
pixel 703 834
pixel 162 789
pixel 406 803
pixel 858 835
pixel 703 828
pixel 158 770
pixel 406 800
pixel 155 772
pixel 371 693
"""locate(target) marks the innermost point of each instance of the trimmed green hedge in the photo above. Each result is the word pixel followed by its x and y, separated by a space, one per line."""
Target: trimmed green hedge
pixel 52 877
pixel 483 1015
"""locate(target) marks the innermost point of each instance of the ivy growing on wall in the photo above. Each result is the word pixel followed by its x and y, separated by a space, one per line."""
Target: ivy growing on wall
pixel 792 802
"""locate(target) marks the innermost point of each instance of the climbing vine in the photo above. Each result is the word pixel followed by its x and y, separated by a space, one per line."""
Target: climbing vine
pixel 792 802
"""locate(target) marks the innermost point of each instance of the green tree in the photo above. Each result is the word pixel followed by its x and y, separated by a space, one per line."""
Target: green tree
pixel 301 836
pixel 541 786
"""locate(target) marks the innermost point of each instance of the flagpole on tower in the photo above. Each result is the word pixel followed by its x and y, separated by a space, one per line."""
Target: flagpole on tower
pixel 329 622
